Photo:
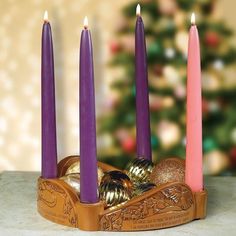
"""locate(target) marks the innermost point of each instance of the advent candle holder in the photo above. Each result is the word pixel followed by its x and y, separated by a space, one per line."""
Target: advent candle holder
pixel 168 205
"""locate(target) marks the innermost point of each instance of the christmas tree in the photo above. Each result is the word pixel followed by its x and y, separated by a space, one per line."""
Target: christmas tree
pixel 166 25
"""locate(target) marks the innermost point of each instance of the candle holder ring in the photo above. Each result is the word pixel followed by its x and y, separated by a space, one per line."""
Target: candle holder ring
pixel 168 205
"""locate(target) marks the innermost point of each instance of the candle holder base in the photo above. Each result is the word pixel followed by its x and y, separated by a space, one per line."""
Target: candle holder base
pixel 168 205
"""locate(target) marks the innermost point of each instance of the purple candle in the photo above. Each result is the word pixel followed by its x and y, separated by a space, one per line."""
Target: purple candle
pixel 143 132
pixel 49 143
pixel 88 148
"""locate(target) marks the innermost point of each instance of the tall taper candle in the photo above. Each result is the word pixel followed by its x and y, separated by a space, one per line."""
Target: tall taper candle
pixel 88 149
pixel 193 174
pixel 49 142
pixel 143 133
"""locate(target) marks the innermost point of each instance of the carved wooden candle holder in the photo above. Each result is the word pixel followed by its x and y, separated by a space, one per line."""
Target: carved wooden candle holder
pixel 165 206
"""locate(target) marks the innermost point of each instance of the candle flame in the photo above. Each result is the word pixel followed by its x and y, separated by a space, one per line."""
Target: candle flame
pixel 193 19
pixel 45 17
pixel 85 22
pixel 138 10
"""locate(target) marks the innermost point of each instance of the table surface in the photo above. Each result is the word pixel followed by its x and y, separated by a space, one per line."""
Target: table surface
pixel 18 213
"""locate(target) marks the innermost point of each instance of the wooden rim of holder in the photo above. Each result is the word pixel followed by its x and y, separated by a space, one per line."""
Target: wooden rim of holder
pixel 165 206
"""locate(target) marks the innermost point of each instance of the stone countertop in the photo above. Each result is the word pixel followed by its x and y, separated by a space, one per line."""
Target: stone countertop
pixel 18 212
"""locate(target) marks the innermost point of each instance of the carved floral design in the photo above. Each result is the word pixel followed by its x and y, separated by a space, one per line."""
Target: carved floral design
pixel 50 194
pixel 175 198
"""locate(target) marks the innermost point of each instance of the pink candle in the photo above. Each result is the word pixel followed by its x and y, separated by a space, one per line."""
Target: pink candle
pixel 193 175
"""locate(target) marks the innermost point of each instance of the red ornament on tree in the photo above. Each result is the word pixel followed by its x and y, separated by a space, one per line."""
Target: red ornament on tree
pixel 212 39
pixel 114 47
pixel 128 145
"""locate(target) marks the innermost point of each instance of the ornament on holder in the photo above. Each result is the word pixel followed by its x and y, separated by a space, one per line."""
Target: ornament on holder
pixel 73 180
pixel 139 170
pixel 168 170
pixel 113 193
pixel 117 176
pixel 142 188
pixel 74 169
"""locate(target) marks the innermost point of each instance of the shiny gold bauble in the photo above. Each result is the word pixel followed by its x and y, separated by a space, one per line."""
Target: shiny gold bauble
pixel 168 170
pixel 142 188
pixel 113 193
pixel 117 176
pixel 139 170
pixel 75 169
pixel 73 180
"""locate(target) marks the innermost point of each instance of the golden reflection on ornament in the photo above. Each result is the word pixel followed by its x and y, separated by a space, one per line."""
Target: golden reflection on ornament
pixel 142 188
pixel 139 170
pixel 113 193
pixel 73 180
pixel 117 176
pixel 75 169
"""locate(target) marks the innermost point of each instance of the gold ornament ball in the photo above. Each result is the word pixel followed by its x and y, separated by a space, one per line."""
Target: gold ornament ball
pixel 117 176
pixel 142 188
pixel 215 162
pixel 113 193
pixel 169 133
pixel 73 180
pixel 181 41
pixel 139 170
pixel 75 169
pixel 168 170
pixel 179 19
pixel 211 82
pixel 167 7
pixel 171 75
